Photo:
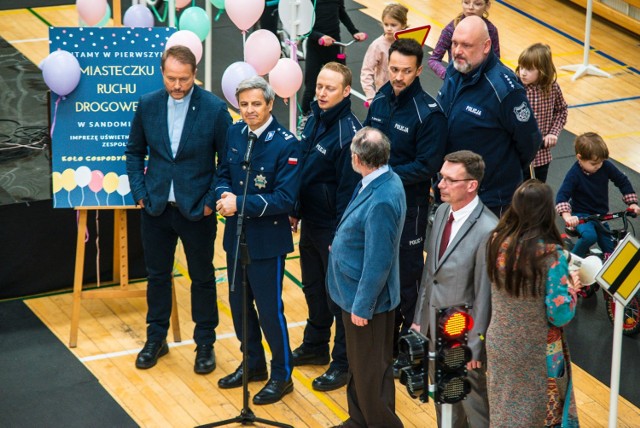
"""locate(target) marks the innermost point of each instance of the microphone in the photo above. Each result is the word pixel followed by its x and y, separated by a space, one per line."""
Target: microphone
pixel 587 268
pixel 247 155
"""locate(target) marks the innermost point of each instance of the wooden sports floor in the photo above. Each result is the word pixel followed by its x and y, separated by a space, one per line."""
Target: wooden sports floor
pixel 170 394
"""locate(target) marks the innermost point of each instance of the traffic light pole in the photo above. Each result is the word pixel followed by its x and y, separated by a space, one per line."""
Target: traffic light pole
pixel 446 414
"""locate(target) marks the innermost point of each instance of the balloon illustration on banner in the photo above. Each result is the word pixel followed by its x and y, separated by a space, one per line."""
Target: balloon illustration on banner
pixel 123 187
pixel 69 182
pixel 82 177
pixel 244 13
pixel 186 38
pixel 195 19
pixel 110 184
pixel 96 183
pixel 304 18
pixel 61 72
pixel 56 185
pixel 262 51
pixel 91 11
pixel 138 15
pixel 233 75
pixel 286 77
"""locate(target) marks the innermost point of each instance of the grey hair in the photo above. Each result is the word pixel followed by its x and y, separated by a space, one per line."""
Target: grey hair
pixel 256 82
pixel 372 147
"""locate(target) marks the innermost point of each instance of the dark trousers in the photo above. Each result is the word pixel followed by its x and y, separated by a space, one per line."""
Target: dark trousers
pixel 315 57
pixel 371 392
pixel 411 266
pixel 159 238
pixel 314 255
pixel 540 172
pixel 264 292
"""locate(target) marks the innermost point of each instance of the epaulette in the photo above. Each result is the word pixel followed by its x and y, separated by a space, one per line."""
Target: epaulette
pixel 286 135
pixel 503 83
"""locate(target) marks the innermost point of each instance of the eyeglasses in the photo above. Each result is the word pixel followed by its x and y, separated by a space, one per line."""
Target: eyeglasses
pixel 449 181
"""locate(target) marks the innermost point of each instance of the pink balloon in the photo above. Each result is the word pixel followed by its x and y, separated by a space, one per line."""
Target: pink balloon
pixel 91 11
pixel 186 38
pixel 231 78
pixel 244 13
pixel 182 3
pixel 96 181
pixel 262 51
pixel 286 77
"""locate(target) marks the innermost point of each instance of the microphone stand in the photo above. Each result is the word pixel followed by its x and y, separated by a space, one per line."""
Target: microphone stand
pixel 246 416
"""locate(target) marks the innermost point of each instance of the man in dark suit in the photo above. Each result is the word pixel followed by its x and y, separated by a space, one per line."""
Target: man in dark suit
pixel 364 280
pixel 180 128
pixel 455 274
pixel 417 128
pixel 271 189
pixel 326 186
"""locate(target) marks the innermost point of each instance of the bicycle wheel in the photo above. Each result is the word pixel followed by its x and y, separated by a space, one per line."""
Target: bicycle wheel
pixel 631 322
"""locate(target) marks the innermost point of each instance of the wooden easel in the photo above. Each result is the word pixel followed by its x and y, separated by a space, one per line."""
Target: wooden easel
pixel 120 271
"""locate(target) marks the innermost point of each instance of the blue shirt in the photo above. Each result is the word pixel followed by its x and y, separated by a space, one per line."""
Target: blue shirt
pixel 176 115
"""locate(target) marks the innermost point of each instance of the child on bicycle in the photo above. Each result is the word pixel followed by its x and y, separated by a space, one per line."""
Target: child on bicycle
pixel 375 65
pixel 585 191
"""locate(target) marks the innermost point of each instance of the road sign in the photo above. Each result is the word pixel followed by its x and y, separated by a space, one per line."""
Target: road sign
pixel 620 275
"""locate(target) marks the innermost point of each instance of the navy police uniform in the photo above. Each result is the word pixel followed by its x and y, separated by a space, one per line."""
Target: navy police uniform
pixel 488 112
pixel 273 186
pixel 417 128
pixel 327 183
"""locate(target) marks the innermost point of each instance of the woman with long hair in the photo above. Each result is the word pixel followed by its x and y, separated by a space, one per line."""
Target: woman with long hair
pixel 533 296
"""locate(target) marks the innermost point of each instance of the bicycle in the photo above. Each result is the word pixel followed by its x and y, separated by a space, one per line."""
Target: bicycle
pixel 631 325
pixel 342 55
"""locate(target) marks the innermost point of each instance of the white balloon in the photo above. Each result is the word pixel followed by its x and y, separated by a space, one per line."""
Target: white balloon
pixel 305 15
pixel 83 176
pixel 123 185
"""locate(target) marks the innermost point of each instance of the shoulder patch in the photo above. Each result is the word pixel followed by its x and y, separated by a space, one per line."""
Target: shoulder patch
pixel 522 112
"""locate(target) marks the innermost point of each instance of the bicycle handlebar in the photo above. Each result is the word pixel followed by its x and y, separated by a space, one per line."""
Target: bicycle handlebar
pixel 629 212
pixel 337 43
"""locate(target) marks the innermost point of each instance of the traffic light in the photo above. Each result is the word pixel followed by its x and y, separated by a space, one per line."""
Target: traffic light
pixel 415 376
pixel 452 354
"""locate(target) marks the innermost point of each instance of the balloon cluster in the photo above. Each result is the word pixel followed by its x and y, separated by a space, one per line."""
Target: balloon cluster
pixel 261 52
pixel 96 180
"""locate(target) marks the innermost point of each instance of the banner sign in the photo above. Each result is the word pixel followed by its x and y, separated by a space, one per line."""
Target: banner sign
pixel 91 125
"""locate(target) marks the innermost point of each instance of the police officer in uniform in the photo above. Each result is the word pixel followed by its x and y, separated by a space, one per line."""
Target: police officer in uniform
pixel 417 128
pixel 327 183
pixel 271 191
pixel 488 113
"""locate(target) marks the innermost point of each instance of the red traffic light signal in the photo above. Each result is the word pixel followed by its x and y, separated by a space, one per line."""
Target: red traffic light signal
pixel 452 354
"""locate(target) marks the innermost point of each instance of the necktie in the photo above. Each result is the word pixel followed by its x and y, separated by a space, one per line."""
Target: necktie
pixel 446 234
pixel 355 192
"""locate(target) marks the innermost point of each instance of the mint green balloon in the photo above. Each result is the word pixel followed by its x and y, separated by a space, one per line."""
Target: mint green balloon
pixel 196 20
pixel 218 3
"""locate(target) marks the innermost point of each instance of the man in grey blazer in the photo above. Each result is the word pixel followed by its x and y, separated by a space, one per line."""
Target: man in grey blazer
pixel 180 128
pixel 459 276
pixel 363 280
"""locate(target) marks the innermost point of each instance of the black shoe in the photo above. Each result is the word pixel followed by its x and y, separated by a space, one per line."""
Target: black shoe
pixel 234 380
pixel 307 356
pixel 150 353
pixel 400 362
pixel 273 391
pixel 330 380
pixel 205 359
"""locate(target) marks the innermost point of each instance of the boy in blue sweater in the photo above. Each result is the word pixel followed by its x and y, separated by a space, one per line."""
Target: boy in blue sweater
pixel 585 191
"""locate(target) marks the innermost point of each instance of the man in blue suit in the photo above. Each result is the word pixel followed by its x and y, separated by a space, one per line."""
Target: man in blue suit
pixel 271 154
pixel 364 280
pixel 180 128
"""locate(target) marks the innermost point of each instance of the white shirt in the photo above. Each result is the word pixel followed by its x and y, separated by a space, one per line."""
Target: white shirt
pixel 460 216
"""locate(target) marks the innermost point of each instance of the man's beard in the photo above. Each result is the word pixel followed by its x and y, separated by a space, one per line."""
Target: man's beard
pixel 462 68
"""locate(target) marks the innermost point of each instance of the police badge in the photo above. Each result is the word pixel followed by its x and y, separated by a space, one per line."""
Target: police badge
pixel 522 112
pixel 260 181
